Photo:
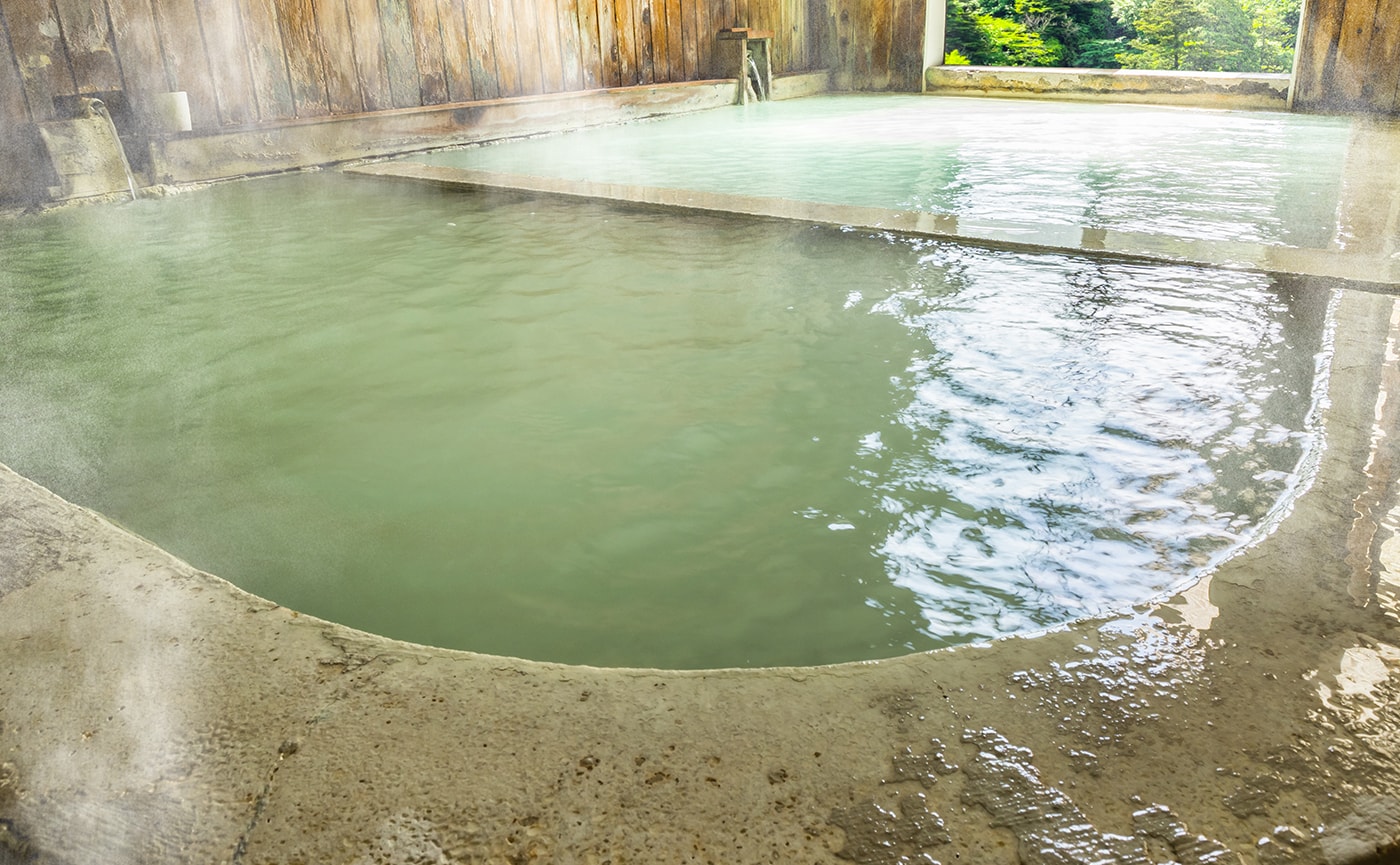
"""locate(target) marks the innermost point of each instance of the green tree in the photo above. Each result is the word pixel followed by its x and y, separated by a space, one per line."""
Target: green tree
pixel 1167 33
pixel 1020 45
pixel 1227 39
pixel 968 39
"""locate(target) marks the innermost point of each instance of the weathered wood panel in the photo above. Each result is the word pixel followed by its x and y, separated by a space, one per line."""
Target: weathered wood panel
pixel 906 65
pixel 590 44
pixel 13 109
pixel 646 42
pixel 609 49
pixel 302 41
pixel 721 13
pixel 570 45
pixel 456 51
pixel 267 63
pixel 137 44
pixel 1382 64
pixel 23 167
pixel 367 48
pixel 675 50
pixel 690 40
pixel 186 59
pixel 551 53
pixel 1348 56
pixel 508 75
pixel 221 26
pixel 337 42
pixel 1347 71
pixel 483 49
pixel 625 31
pixel 400 55
pixel 38 51
pixel 527 39
pixel 88 39
pixel 427 51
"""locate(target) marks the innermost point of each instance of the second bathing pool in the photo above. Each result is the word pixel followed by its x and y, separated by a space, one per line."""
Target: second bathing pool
pixel 585 433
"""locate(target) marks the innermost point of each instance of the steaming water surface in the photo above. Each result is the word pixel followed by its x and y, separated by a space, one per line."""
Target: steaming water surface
pixel 579 433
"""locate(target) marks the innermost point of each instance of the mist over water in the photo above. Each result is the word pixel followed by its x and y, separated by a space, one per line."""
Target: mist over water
pixel 580 433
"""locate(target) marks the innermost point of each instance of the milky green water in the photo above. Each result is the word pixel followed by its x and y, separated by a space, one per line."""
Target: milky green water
pixel 1253 176
pixel 580 433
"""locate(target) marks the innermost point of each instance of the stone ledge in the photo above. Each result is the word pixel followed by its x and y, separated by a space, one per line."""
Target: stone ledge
pixel 1236 90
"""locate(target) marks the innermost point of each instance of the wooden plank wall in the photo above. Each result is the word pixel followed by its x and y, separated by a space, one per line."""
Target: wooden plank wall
pixel 1349 57
pixel 244 62
pixel 872 44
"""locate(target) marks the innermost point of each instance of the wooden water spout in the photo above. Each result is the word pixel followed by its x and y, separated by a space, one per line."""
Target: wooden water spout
pixel 747 56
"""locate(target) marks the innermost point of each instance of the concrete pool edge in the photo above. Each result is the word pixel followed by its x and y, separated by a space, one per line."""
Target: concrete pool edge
pixel 153 713
pixel 1371 267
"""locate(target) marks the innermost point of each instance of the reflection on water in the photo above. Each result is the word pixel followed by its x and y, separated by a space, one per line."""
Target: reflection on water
pixel 578 433
pixel 1204 175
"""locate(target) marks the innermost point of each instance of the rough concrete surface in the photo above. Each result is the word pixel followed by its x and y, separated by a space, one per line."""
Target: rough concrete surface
pixel 151 713
pixel 1233 90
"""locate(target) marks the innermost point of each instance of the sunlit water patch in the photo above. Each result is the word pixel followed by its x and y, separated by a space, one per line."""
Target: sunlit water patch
pixel 1204 175
pixel 578 433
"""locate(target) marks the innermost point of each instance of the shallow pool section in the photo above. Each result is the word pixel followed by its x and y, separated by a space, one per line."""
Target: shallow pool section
pixel 1252 177
pixel 583 433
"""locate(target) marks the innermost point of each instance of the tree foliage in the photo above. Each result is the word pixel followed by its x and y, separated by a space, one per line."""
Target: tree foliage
pixel 1221 35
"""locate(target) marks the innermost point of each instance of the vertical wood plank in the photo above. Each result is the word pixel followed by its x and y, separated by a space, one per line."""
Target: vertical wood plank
pixel 507 52
pixel 14 110
pixel 646 43
pixel 222 28
pixel 88 39
pixel 400 58
pixel 609 46
pixel 675 45
pixel 661 45
pixel 138 46
pixel 570 45
pixel 906 51
pixel 1348 70
pixel 1314 45
pixel 186 63
pixel 482 49
pixel 626 32
pixel 427 51
pixel 690 39
pixel 590 45
pixel 720 17
pixel 297 22
pixel 1382 59
pixel 551 51
pixel 267 62
pixel 367 46
pixel 39 54
pixel 456 50
pixel 338 57
pixel 527 40
pixel 23 170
